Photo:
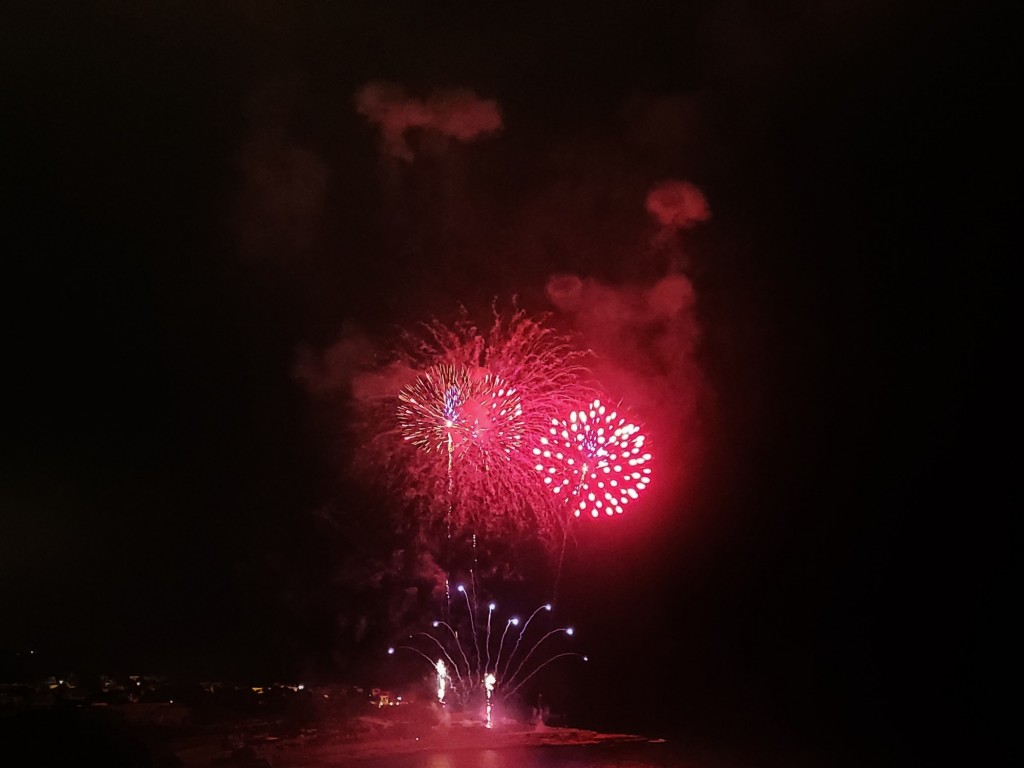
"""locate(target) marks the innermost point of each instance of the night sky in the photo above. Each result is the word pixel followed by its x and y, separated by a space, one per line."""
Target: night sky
pixel 199 209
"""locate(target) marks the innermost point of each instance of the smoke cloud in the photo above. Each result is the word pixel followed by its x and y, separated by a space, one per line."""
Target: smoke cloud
pixel 348 368
pixel 645 335
pixel 677 204
pixel 454 113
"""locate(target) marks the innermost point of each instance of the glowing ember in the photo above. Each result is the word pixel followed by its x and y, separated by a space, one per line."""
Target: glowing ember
pixel 595 460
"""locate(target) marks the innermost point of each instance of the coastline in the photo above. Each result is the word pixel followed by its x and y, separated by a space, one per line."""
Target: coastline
pixel 318 751
pixel 176 735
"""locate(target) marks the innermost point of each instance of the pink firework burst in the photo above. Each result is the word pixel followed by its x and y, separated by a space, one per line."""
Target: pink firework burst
pixel 454 409
pixel 452 444
pixel 595 460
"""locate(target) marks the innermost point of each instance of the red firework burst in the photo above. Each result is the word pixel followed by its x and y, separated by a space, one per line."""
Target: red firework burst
pixel 452 445
pixel 453 409
pixel 595 460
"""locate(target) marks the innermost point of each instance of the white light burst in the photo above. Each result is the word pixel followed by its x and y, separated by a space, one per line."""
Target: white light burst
pixel 596 460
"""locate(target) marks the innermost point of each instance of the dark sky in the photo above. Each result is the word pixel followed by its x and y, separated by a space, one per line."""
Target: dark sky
pixel 193 204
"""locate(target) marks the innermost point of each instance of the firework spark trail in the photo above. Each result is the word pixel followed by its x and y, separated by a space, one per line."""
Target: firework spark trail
pixel 487 643
pixel 513 622
pixel 475 676
pixel 472 625
pixel 545 607
pixel 510 680
pixel 450 408
pixel 594 460
pixel 442 649
pixel 525 680
pixel 458 644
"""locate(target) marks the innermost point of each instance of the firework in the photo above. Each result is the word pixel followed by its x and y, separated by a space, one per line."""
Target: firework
pixel 442 679
pixel 449 409
pixel 452 445
pixel 469 662
pixel 595 460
